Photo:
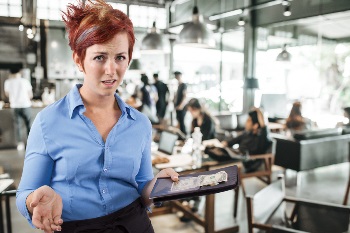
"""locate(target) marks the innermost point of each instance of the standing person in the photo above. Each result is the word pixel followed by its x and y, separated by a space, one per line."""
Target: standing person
pixel 163 96
pixel 20 92
pixel 180 101
pixel 149 96
pixel 88 162
pixel 201 119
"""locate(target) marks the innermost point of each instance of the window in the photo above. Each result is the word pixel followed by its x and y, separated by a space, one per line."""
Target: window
pixel 120 6
pixel 11 8
pixel 144 16
pixel 52 9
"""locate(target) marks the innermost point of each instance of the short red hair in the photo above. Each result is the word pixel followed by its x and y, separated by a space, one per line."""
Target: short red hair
pixel 95 23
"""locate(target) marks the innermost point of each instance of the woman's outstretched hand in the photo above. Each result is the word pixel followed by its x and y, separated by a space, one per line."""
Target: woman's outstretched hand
pixel 46 207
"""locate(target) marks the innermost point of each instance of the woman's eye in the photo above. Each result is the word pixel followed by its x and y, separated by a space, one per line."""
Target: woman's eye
pixel 98 58
pixel 120 58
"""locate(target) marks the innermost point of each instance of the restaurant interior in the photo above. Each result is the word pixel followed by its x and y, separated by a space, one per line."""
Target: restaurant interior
pixel 235 57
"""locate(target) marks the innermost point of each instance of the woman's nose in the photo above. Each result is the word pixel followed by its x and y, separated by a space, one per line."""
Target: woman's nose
pixel 111 68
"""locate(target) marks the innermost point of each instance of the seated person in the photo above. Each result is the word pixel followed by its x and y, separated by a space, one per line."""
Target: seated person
pixel 206 123
pixel 346 121
pixel 201 119
pixel 295 120
pixel 253 141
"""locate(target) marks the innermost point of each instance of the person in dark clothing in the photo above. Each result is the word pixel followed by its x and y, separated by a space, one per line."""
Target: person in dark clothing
pixel 163 95
pixel 148 96
pixel 253 141
pixel 180 101
pixel 201 119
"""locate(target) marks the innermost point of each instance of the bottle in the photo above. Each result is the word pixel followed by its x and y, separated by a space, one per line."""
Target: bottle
pixel 197 138
pixel 197 142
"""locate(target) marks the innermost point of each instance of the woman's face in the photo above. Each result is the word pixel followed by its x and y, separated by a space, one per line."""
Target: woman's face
pixel 105 65
pixel 194 112
pixel 249 124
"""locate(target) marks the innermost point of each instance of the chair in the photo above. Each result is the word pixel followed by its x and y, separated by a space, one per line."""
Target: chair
pixel 264 174
pixel 266 210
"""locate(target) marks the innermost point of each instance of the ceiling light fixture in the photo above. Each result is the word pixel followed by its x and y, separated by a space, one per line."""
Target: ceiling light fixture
pixel 135 65
pixel 285 3
pixel 284 55
pixel 241 21
pixel 152 42
pixel 287 11
pixel 226 14
pixel 195 33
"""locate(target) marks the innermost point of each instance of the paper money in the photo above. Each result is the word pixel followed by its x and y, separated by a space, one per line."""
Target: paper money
pixel 213 179
pixel 196 182
pixel 184 184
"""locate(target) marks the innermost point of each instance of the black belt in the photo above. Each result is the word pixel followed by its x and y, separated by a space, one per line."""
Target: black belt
pixel 131 219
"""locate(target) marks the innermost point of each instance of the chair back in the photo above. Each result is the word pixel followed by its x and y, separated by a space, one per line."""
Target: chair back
pixel 313 217
pixel 267 200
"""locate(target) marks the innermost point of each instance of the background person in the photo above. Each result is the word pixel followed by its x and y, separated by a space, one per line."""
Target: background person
pixel 254 140
pixel 149 96
pixel 20 92
pixel 92 150
pixel 180 101
pixel 163 97
pixel 295 120
pixel 201 119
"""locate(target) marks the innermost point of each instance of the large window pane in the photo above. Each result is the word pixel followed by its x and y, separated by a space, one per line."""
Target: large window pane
pixel 15 11
pixel 317 74
pixel 4 10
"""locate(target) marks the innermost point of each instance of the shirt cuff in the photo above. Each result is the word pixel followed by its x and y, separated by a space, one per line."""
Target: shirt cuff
pixel 22 207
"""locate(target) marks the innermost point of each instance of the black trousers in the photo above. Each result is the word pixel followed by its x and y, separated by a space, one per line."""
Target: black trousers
pixel 131 219
pixel 180 117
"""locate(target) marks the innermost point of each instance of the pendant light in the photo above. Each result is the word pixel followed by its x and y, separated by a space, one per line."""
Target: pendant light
pixel 195 33
pixel 152 42
pixel 284 55
pixel 135 65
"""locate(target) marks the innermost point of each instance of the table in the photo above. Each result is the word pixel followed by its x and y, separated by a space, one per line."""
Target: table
pixel 4 184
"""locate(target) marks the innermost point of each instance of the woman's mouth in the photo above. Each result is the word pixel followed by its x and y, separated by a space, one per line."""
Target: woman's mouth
pixel 109 83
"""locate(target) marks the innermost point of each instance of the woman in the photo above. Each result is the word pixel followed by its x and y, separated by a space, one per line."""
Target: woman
pixel 201 119
pixel 296 121
pixel 88 165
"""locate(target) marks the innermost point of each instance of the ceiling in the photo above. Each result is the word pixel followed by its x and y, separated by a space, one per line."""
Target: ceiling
pixel 335 26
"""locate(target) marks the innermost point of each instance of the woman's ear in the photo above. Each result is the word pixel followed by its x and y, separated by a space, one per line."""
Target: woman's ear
pixel 77 61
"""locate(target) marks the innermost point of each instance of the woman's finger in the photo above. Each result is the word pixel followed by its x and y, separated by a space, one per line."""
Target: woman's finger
pixel 57 220
pixel 47 225
pixel 36 220
pixel 172 174
pixel 55 227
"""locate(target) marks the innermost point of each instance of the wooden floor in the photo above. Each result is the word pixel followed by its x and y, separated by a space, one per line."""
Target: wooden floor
pixel 324 184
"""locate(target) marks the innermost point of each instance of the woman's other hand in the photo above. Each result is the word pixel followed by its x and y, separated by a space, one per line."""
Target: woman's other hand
pixel 169 172
pixel 46 207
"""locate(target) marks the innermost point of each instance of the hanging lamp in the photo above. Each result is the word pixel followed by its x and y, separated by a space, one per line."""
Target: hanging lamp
pixel 135 65
pixel 195 33
pixel 284 55
pixel 152 42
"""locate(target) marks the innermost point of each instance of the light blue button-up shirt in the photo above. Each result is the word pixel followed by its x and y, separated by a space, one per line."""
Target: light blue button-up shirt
pixel 93 177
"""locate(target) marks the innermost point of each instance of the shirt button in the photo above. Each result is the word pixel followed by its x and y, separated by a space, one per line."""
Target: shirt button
pixel 105 169
pixel 104 206
pixel 103 191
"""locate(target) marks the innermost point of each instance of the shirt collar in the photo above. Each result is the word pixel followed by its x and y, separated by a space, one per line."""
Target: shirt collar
pixel 74 100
